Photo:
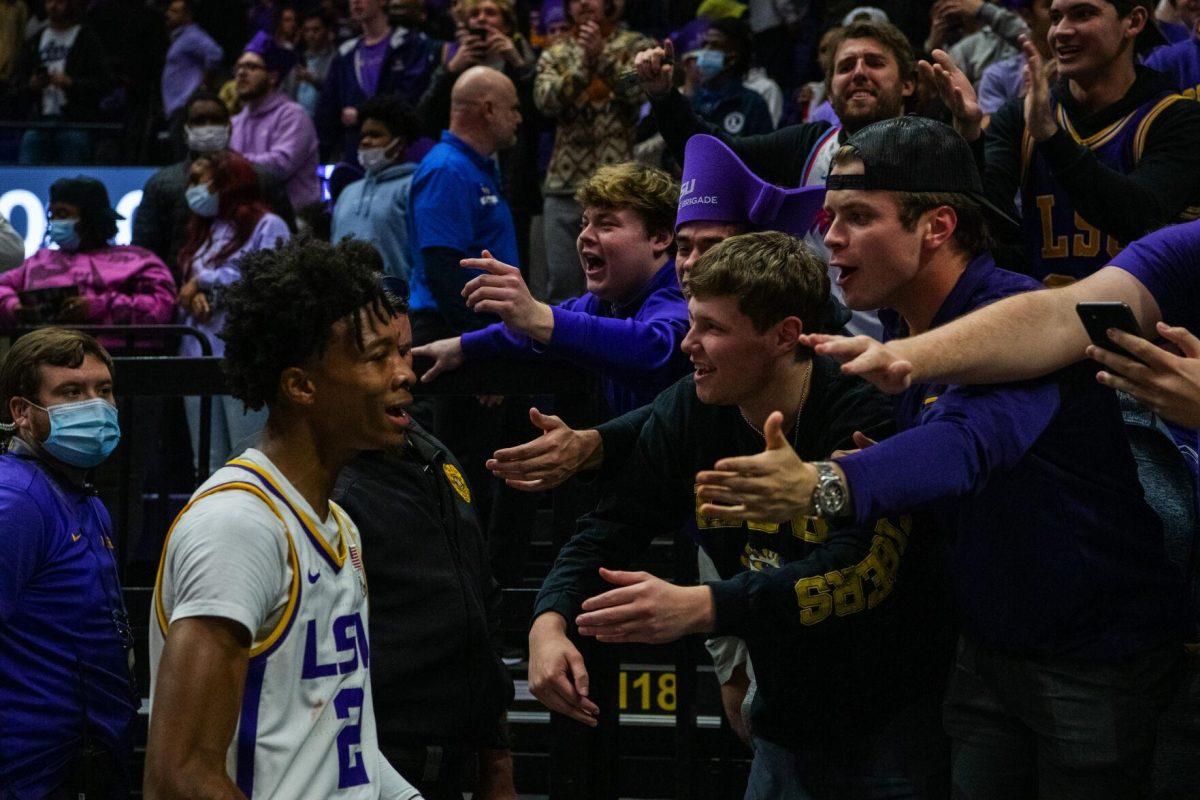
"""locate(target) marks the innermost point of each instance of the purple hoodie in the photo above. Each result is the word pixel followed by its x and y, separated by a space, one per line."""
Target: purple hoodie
pixel 277 133
pixel 123 284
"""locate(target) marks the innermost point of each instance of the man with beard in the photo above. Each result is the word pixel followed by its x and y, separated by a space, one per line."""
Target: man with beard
pixel 872 77
pixel 873 74
pixel 272 130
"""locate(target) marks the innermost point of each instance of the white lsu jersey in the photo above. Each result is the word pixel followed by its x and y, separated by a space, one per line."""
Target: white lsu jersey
pixel 306 727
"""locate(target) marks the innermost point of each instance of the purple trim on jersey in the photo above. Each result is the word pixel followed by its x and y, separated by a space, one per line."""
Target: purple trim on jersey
pixel 248 725
pixel 311 536
pixel 812 154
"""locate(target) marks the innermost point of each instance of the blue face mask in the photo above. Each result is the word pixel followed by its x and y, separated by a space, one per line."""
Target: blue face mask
pixel 709 63
pixel 63 234
pixel 82 434
pixel 201 200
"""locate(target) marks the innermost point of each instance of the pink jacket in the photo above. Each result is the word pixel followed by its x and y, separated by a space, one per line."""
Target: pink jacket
pixel 124 285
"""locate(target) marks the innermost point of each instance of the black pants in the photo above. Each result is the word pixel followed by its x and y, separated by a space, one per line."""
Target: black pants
pixel 1055 729
pixel 438 773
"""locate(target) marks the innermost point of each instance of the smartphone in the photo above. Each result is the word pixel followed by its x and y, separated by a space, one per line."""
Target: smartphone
pixel 1097 318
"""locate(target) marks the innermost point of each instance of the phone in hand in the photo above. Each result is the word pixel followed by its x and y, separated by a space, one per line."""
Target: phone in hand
pixel 1098 317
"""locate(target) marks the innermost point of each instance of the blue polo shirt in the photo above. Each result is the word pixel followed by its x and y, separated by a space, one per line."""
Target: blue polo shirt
pixel 1056 551
pixel 64 637
pixel 457 204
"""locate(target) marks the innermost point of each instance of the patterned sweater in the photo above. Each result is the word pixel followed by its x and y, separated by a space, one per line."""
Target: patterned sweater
pixel 596 114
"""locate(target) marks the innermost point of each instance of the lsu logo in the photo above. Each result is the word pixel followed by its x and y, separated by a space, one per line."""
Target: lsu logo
pixel 349 636
pixel 457 481
pixel 687 187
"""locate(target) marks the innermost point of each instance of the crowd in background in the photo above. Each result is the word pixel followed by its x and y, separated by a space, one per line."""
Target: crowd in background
pixel 552 150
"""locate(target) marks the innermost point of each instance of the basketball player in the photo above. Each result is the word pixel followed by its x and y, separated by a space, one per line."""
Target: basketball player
pixel 259 649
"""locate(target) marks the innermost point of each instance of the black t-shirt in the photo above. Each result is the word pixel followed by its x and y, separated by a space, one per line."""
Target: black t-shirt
pixel 845 623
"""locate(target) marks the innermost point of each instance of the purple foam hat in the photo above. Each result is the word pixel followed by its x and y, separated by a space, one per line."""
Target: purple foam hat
pixel 718 187
pixel 277 59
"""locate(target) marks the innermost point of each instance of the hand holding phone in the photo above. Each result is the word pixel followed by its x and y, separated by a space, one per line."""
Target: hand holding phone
pixel 1099 317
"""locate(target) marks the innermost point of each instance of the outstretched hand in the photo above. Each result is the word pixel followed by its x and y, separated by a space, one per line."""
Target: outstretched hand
pixel 646 609
pixel 502 291
pixel 956 92
pixel 549 460
pixel 447 355
pixel 868 358
pixel 772 486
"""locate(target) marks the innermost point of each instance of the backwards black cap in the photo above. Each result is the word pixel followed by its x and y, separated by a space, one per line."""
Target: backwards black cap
pixel 915 154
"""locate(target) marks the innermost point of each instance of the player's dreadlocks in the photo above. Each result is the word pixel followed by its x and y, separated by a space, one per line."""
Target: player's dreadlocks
pixel 281 313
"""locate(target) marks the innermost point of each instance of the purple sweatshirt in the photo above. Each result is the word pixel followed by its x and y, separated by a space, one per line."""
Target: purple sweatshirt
pixel 123 285
pixel 192 54
pixel 634 348
pixel 1180 62
pixel 1056 551
pixel 277 133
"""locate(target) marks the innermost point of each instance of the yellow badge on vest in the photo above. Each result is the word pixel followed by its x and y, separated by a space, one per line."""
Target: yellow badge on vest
pixel 457 481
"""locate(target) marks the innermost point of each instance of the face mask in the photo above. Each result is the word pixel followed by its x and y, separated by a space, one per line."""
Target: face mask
pixel 63 234
pixel 709 63
pixel 207 138
pixel 201 200
pixel 373 159
pixel 82 434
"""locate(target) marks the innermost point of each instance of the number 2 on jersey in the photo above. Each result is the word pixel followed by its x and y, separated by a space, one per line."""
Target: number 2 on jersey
pixel 351 769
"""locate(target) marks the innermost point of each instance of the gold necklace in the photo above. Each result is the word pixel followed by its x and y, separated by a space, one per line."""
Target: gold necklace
pixel 803 399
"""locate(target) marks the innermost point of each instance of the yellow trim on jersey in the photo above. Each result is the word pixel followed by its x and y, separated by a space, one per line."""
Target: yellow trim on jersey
pixel 1100 137
pixel 338 556
pixel 1027 144
pixel 1143 128
pixel 293 560
pixel 342 516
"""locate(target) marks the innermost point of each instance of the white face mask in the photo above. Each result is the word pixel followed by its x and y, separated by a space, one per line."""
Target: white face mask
pixel 207 138
pixel 374 159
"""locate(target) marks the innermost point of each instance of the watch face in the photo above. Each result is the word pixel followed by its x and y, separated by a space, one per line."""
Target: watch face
pixel 832 497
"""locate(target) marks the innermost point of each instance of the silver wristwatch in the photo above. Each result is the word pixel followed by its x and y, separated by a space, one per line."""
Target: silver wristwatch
pixel 830 494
